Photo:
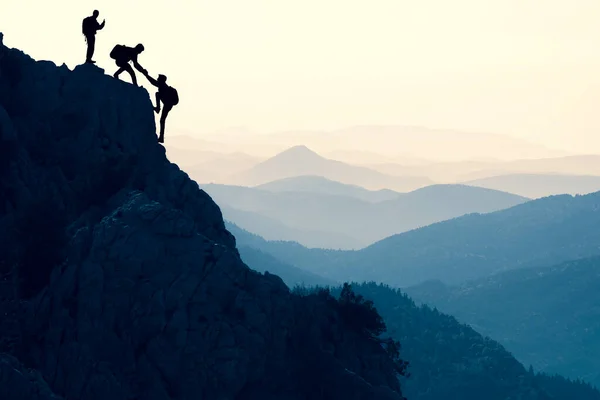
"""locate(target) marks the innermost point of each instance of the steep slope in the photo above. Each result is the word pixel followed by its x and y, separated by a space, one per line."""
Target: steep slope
pixel 537 233
pixel 130 284
pixel 449 360
pixel 540 185
pixel 318 184
pixel 548 317
pixel 301 161
pixel 364 222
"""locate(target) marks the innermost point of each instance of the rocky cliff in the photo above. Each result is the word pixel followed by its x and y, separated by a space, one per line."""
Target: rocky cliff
pixel 119 279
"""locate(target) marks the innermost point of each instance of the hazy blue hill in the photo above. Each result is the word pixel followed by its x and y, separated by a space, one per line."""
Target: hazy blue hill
pixel 362 222
pixel 548 317
pixel 301 161
pixel 470 170
pixel 540 185
pixel 249 244
pixel 272 229
pixel 292 276
pixel 445 356
pixel 536 233
pixel 439 202
pixel 541 232
pixel 450 360
pixel 318 184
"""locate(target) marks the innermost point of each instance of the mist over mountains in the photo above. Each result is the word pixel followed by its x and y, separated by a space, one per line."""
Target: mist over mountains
pixel 300 160
pixel 362 222
pixel 414 142
pixel 463 234
pixel 490 259
pixel 536 233
pixel 533 178
pixel 540 185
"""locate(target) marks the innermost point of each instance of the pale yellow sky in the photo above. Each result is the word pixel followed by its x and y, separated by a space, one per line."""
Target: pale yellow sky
pixel 528 68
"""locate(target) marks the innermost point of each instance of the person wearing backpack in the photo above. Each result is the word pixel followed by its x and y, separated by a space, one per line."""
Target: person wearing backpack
pixel 123 55
pixel 169 97
pixel 89 27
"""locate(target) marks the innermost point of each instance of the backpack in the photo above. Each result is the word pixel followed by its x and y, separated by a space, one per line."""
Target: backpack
pixel 170 95
pixel 118 52
pixel 88 26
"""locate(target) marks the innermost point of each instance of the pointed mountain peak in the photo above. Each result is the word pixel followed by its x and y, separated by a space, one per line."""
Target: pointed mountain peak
pixel 298 153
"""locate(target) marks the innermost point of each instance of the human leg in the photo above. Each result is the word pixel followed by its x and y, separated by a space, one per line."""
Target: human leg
pixel 124 66
pixel 121 69
pixel 157 108
pixel 131 73
pixel 91 44
pixel 163 120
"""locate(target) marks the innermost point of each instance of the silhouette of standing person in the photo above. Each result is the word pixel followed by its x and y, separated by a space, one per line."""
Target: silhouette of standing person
pixel 89 27
pixel 168 96
pixel 123 55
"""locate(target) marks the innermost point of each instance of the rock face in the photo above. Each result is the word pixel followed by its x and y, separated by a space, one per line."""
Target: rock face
pixel 20 383
pixel 131 285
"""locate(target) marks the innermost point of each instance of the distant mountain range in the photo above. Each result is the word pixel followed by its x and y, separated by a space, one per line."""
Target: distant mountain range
pixel 537 185
pixel 210 166
pixel 548 317
pixel 537 233
pixel 345 216
pixel 468 170
pixel 300 161
pixel 445 356
pixel 531 178
pixel 360 157
pixel 394 141
pixel 272 229
pixel 320 185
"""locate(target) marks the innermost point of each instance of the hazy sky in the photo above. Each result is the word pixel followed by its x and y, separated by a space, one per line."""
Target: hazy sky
pixel 529 68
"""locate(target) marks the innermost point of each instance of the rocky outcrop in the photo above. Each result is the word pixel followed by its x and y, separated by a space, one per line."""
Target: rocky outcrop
pixel 133 288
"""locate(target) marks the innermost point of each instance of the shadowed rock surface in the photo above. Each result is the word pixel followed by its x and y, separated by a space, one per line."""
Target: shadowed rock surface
pixel 130 285
pixel 18 382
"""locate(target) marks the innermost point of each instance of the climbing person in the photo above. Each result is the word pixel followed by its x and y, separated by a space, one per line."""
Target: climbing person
pixel 89 27
pixel 123 55
pixel 168 96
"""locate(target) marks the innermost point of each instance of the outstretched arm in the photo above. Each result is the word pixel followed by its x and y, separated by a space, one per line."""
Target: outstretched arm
pixel 101 25
pixel 150 79
pixel 138 66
